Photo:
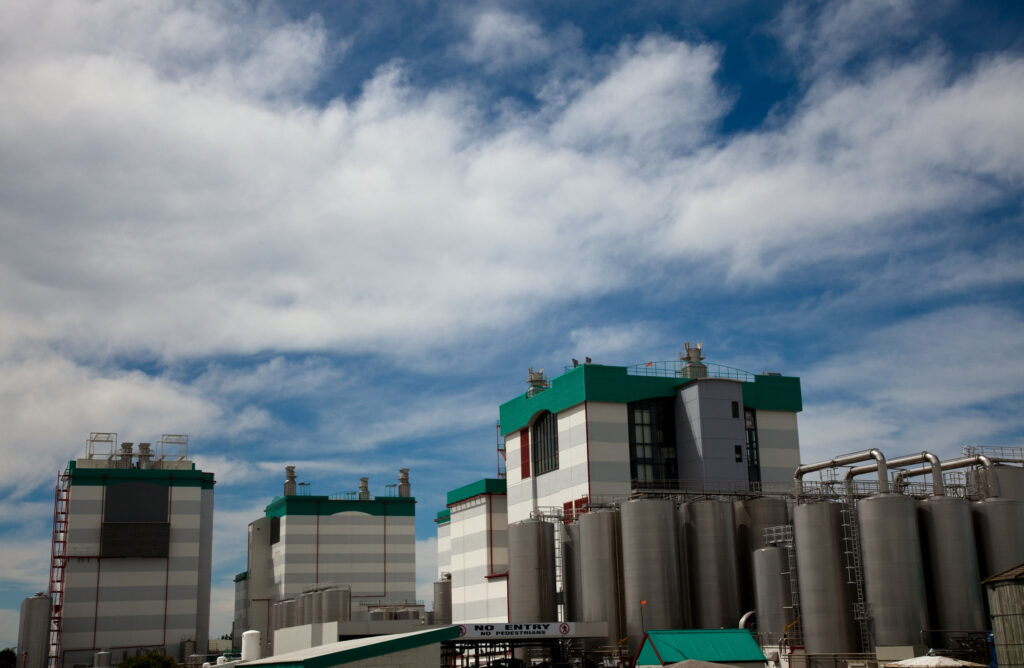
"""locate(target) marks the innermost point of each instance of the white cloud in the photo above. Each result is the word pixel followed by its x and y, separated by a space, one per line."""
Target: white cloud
pixel 501 40
pixel 9 622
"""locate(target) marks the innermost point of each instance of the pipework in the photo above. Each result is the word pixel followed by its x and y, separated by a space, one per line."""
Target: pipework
pixel 846 460
pixel 959 463
pixel 898 462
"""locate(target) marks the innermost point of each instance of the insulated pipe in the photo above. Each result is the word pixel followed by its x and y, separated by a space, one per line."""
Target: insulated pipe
pixel 747 616
pixel 960 463
pixel 846 460
pixel 897 462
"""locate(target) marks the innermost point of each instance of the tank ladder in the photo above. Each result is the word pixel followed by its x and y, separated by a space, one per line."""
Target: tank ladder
pixel 58 564
pixel 855 570
pixel 782 536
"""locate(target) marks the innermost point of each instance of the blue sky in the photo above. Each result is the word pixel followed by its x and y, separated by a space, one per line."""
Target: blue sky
pixel 336 235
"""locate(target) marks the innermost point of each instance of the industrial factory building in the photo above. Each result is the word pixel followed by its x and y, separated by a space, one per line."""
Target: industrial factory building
pixel 324 568
pixel 671 496
pixel 131 556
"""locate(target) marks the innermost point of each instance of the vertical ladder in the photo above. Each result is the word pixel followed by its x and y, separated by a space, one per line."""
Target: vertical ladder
pixel 58 564
pixel 855 570
pixel 782 536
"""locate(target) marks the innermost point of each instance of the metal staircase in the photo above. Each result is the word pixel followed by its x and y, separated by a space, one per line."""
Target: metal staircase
pixel 58 564
pixel 855 571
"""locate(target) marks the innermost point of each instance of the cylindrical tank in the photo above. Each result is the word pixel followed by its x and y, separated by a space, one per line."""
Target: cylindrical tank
pixel 773 598
pixel 336 604
pixel 531 572
pixel 825 604
pixel 711 555
pixel 999 530
pixel 571 594
pixel 600 579
pixel 101 659
pixel 306 599
pixel 318 607
pixel 289 614
pixel 380 614
pixel 752 517
pixel 951 567
pixel 443 601
pixel 650 567
pixel 33 631
pixel 250 645
pixel 893 570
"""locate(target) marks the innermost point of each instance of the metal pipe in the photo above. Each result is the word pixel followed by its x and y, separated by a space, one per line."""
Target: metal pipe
pixel 746 618
pixel 959 463
pixel 846 460
pixel 897 462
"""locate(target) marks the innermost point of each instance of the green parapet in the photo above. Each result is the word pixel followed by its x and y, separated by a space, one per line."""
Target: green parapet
pixel 485 486
pixel 444 516
pixel 167 477
pixel 773 393
pixel 391 506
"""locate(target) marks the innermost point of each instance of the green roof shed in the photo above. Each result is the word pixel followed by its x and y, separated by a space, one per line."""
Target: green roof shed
pixel 736 647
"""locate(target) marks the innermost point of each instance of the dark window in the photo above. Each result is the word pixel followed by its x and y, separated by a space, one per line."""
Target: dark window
pixel 135 520
pixel 652 443
pixel 524 454
pixel 545 443
pixel 753 456
pixel 735 409
pixel 275 530
pixel 739 453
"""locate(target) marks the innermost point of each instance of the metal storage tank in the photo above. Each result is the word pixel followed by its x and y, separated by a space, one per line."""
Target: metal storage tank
pixel 289 613
pixel 305 608
pixel 650 567
pixel 571 594
pixel 999 530
pixel 772 593
pixel 893 570
pixel 711 556
pixel 531 572
pixel 826 609
pixel 752 517
pixel 951 567
pixel 33 631
pixel 443 601
pixel 600 574
pixel 336 604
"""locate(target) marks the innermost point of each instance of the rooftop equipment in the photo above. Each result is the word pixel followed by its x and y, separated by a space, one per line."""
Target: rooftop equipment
pixel 404 490
pixel 290 488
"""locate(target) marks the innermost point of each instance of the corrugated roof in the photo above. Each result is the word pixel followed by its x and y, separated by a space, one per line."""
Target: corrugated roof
pixel 1015 573
pixel 716 645
pixel 347 651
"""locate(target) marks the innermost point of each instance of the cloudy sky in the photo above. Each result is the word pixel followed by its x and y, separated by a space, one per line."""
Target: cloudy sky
pixel 336 235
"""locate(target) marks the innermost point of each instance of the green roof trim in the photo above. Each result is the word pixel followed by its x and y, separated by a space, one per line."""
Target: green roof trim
pixel 485 486
pixel 773 393
pixel 168 477
pixel 587 382
pixel 612 384
pixel 392 506
pixel 714 645
pixel 444 516
pixel 242 577
pixel 350 651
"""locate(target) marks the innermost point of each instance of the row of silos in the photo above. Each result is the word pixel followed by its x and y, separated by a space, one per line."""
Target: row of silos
pixel 332 604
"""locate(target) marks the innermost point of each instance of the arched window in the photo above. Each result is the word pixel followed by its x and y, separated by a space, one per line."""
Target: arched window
pixel 545 443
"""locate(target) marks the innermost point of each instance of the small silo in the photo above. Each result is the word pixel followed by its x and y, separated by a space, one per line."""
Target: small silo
pixel 33 631
pixel 306 601
pixel 531 572
pixel 571 592
pixel 443 599
pixel 826 609
pixel 600 572
pixel 893 570
pixel 951 567
pixel 650 567
pixel 753 516
pixel 289 613
pixel 773 598
pixel 711 557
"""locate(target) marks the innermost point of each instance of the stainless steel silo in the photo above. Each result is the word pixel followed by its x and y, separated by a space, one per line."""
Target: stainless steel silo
pixel 289 613
pixel 33 631
pixel 650 567
pixel 571 593
pixel 826 610
pixel 999 530
pixel 893 570
pixel 752 517
pixel 711 556
pixel 773 598
pixel 305 608
pixel 443 601
pixel 531 572
pixel 600 573
pixel 951 567
pixel 336 604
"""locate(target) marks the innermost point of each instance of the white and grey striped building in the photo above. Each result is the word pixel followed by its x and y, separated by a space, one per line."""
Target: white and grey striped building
pixel 139 548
